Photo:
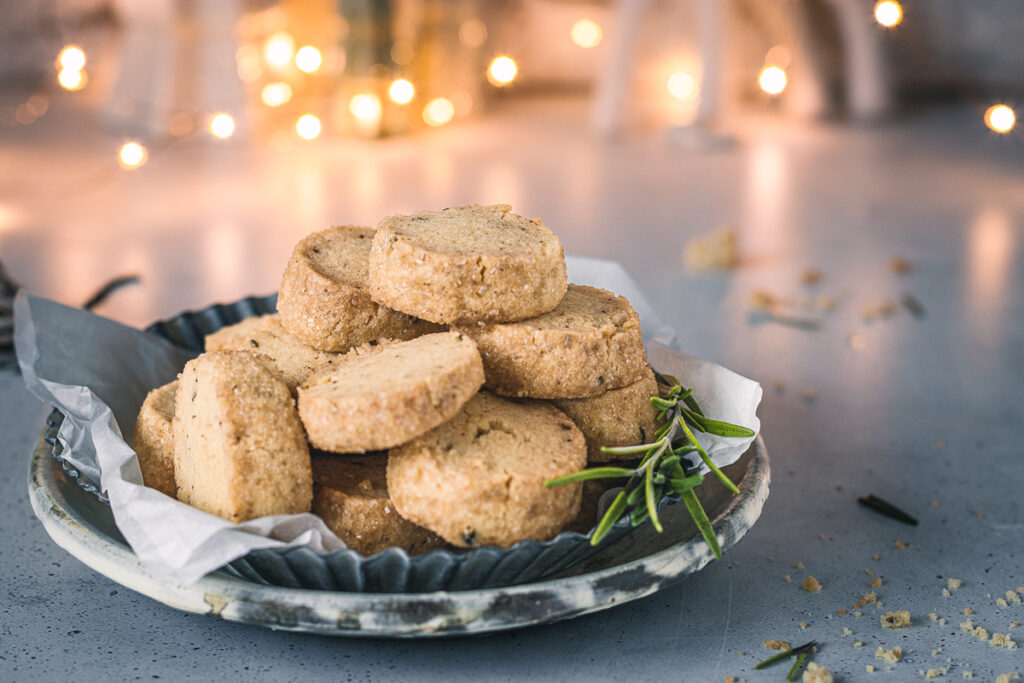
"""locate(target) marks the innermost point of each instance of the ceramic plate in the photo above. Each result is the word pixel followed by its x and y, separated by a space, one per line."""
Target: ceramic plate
pixel 637 565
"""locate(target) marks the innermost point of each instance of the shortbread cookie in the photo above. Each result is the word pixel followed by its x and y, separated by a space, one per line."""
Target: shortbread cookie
pixel 323 299
pixel 479 478
pixel 620 417
pixel 385 396
pixel 467 264
pixel 350 493
pixel 153 442
pixel 239 450
pixel 264 334
pixel 589 344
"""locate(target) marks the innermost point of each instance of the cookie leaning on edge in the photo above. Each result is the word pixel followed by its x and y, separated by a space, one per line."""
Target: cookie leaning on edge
pixel 589 344
pixel 153 441
pixel 323 299
pixel 478 479
pixel 389 394
pixel 467 264
pixel 239 449
pixel 350 493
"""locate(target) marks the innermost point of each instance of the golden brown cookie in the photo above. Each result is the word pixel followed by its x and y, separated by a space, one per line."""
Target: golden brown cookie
pixel 620 417
pixel 479 478
pixel 350 493
pixel 323 299
pixel 264 334
pixel 385 396
pixel 239 449
pixel 589 344
pixel 467 264
pixel 153 441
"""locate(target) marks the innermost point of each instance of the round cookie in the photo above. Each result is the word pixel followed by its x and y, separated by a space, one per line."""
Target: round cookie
pixel 467 264
pixel 239 449
pixel 589 344
pixel 351 495
pixel 153 442
pixel 264 334
pixel 620 417
pixel 479 478
pixel 384 396
pixel 323 299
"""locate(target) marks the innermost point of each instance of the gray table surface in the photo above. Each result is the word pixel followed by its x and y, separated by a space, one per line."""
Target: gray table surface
pixel 925 412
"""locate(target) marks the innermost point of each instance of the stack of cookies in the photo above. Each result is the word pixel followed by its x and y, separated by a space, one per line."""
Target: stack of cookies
pixel 418 385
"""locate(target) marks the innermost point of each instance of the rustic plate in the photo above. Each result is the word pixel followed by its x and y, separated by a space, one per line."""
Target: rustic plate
pixel 637 565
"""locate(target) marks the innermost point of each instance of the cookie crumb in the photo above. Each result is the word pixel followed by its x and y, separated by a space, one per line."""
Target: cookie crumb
pixel 968 611
pixel 1002 640
pixel 779 645
pixel 729 678
pixel 967 626
pixel 968 674
pixel 858 613
pixel 980 633
pixel 933 616
pixel 899 265
pixel 869 572
pixel 811 276
pixel 897 619
pixel 811 585
pixel 1008 677
pixel 869 668
pixel 1012 596
pixel 840 612
pixel 787 578
pixel 799 565
pixel 900 545
pixel 1001 603
pixel 936 651
pixel 954 584
pixel 858 643
pixel 817 674
pixel 946 593
pixel 803 625
pixel 876 558
pixel 942 622
pixel 741 653
pixel 876 583
pixel 935 673
pixel 892 656
pixel 847 632
pixel 716 250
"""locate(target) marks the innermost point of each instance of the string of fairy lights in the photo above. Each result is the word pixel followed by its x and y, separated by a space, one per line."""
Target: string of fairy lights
pixel 279 50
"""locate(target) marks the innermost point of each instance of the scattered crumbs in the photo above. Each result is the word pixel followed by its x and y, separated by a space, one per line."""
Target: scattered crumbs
pixel 811 276
pixel 840 612
pixel 799 565
pixel 803 625
pixel 817 674
pixel 869 572
pixel 1001 603
pixel 847 631
pixel 897 619
pixel 968 611
pixel 954 584
pixel 946 593
pixel 942 622
pixel 1012 596
pixel 811 585
pixel 892 656
pixel 980 633
pixel 1008 677
pixel 787 578
pixel 716 250
pixel 869 668
pixel 900 545
pixel 933 616
pixel 878 603
pixel 968 674
pixel 967 626
pixel 935 673
pixel 1003 640
pixel 779 645
pixel 1014 624
pixel 821 537
pixel 729 678
pixel 858 643
pixel 858 613
pixel 936 651
pixel 1020 589
pixel 809 395
pixel 876 558
pixel 868 599
pixel 876 583
pixel 741 653
pixel 979 513
pixel 899 265
pixel 762 300
pixel 935 503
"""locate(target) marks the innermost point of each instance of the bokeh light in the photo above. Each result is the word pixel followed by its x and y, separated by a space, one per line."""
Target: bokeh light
pixel 401 91
pixel 1000 118
pixel 772 80
pixel 308 127
pixel 132 155
pixel 502 71
pixel 586 33
pixel 888 13
pixel 438 111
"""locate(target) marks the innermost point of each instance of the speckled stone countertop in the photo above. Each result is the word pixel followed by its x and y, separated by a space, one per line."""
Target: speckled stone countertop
pixel 923 411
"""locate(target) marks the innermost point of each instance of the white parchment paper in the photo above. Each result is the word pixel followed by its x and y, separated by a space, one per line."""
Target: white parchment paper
pixel 97 372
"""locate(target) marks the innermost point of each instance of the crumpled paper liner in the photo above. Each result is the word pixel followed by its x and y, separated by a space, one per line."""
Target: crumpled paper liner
pixel 97 373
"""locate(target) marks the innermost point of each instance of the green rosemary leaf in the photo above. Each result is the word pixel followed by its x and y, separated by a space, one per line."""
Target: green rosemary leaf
pixel 683 484
pixel 717 427
pixel 629 450
pixel 800 649
pixel 691 403
pixel 592 473
pixel 791 676
pixel 639 514
pixel 700 518
pixel 615 511
pixel 662 404
pixel 707 461
pixel 634 496
pixel 651 502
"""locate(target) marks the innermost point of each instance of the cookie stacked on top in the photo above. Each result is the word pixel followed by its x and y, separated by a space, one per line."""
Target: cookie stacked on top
pixel 440 369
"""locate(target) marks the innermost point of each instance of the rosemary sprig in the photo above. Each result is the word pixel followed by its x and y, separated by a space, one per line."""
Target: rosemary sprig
pixel 791 676
pixel 799 650
pixel 886 508
pixel 664 469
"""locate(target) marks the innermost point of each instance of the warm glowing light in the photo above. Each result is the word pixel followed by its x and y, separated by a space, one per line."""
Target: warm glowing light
pixel 586 33
pixel 308 127
pixel 682 86
pixel 222 126
pixel 472 33
pixel 250 69
pixel 71 58
pixel 70 79
pixel 438 111
pixel 308 59
pixel 888 13
pixel 364 106
pixel 772 80
pixel 279 48
pixel 402 91
pixel 276 94
pixel 502 71
pixel 1000 118
pixel 132 155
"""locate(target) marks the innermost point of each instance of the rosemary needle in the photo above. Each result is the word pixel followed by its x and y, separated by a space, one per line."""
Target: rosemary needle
pixel 886 508
pixel 802 649
pixel 791 676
